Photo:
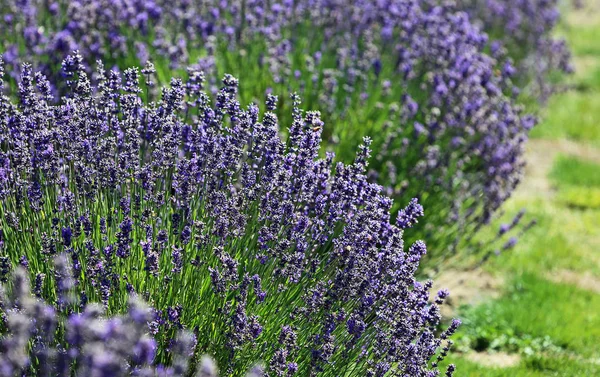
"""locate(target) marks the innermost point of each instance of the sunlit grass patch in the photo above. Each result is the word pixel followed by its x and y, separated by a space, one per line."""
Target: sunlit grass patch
pixel 564 237
pixel 580 197
pixel 572 115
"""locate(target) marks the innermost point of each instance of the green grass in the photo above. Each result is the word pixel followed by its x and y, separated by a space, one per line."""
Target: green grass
pixel 558 241
pixel 537 314
pixel 581 30
pixel 535 366
pixel 533 308
pixel 580 197
pixel 572 115
pixel 569 170
pixel 551 321
pixel 577 181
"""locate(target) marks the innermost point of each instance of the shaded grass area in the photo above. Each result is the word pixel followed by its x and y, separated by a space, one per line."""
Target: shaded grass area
pixel 552 322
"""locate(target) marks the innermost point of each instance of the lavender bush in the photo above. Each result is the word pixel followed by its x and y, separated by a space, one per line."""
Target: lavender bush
pixel 412 74
pixel 257 245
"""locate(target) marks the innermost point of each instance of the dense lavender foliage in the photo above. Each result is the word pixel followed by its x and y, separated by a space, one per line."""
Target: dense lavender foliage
pixel 261 247
pixel 525 28
pixel 44 340
pixel 411 74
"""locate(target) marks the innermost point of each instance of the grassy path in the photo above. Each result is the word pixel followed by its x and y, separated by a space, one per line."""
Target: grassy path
pixel 540 311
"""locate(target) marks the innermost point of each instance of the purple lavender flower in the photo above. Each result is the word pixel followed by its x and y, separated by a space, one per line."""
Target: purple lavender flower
pixel 408 216
pixel 67 235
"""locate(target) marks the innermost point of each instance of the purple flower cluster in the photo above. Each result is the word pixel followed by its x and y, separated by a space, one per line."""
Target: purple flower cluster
pixel 525 29
pixel 459 149
pixel 37 339
pixel 49 30
pixel 200 207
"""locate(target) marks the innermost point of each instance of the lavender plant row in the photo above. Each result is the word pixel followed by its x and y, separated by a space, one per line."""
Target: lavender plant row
pixel 257 245
pixel 413 75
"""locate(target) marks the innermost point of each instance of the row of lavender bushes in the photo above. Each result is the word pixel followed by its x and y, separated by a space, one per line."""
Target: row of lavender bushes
pixel 260 240
pixel 420 77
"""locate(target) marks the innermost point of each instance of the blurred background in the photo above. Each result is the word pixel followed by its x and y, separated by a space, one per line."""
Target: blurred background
pixel 536 310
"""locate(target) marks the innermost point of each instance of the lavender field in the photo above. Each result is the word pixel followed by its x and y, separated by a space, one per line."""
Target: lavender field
pixel 299 188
